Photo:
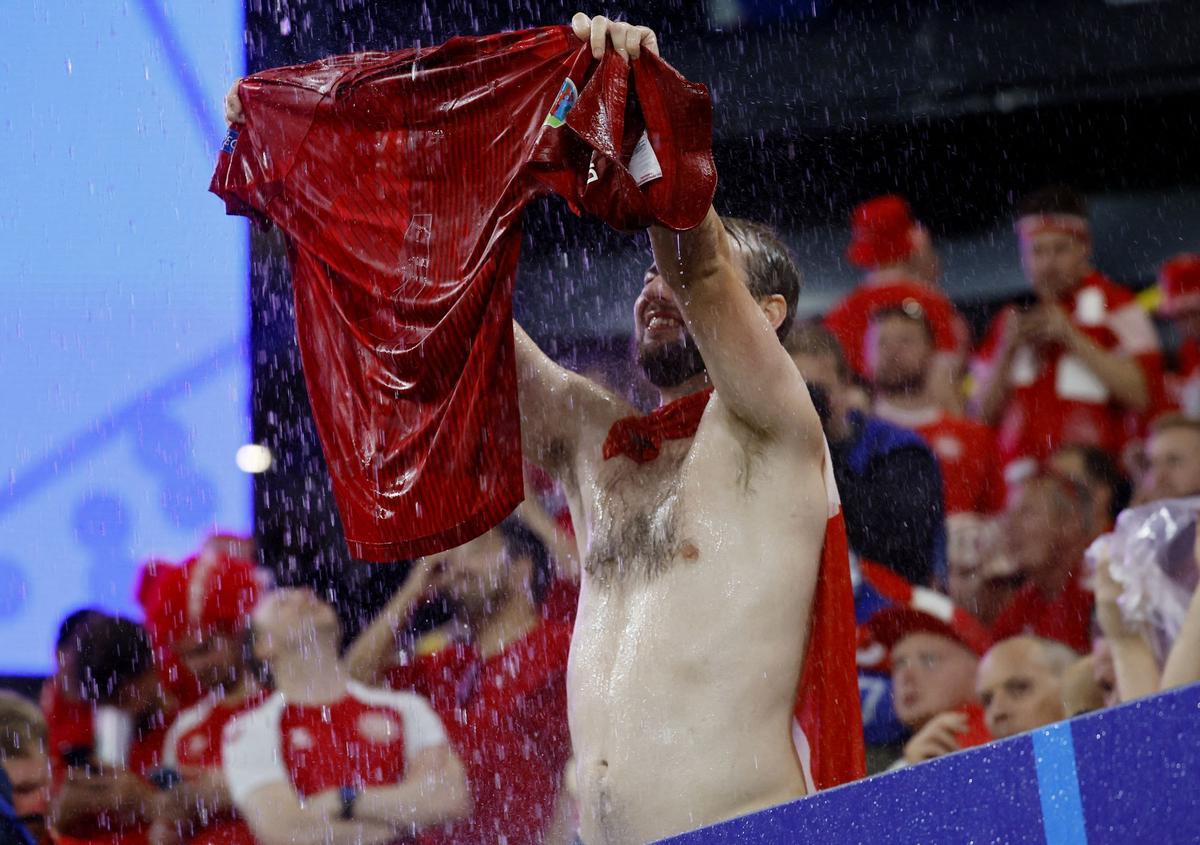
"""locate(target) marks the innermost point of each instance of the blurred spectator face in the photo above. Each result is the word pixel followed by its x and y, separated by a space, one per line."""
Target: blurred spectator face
pixel 216 658
pixel 1069 463
pixel 289 620
pixel 899 353
pixel 1054 262
pixel 481 574
pixel 1018 689
pixel 930 675
pixel 30 777
pixel 821 372
pixel 981 579
pixel 1039 532
pixel 1174 464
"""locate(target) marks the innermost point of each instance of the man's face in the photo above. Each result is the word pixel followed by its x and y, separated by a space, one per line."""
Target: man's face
pixel 291 619
pixel 214 657
pixel 30 778
pixel 666 351
pixel 899 352
pixel 140 696
pixel 478 574
pixel 1054 263
pixel 1033 530
pixel 1018 690
pixel 821 372
pixel 1069 464
pixel 1174 458
pixel 930 675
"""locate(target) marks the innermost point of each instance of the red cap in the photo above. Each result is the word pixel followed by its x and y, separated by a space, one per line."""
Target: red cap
pixel 880 232
pixel 1179 280
pixel 215 590
pixel 928 611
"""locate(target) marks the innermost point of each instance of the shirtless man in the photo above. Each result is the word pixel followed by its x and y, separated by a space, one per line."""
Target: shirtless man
pixel 700 565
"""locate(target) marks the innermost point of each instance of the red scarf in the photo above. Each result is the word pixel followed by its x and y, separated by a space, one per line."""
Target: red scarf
pixel 827 730
pixel 640 438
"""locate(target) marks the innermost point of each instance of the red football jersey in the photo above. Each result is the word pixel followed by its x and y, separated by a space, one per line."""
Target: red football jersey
pixel 194 742
pixel 1055 400
pixel 399 180
pixel 1067 618
pixel 361 740
pixel 507 719
pixel 850 318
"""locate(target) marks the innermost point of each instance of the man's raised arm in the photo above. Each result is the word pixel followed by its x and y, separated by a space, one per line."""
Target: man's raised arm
pixel 754 377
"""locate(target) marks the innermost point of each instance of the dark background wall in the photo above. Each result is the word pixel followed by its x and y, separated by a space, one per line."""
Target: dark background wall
pixel 961 106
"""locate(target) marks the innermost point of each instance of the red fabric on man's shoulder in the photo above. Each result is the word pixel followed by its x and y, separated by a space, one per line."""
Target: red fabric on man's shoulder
pixel 851 317
pixel 399 179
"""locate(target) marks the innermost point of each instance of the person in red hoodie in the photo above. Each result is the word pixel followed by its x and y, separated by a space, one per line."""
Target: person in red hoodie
pixel 199 612
pixel 933 648
pixel 902 271
pixel 1080 365
pixel 501 690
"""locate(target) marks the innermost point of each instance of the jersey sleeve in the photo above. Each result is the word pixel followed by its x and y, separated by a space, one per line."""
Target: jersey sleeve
pixel 422 727
pixel 252 751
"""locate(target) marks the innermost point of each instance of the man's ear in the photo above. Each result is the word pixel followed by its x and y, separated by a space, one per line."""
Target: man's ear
pixel 775 307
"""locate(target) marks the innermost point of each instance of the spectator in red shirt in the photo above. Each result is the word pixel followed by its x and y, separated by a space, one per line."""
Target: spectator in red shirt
pixel 68 715
pixel 1046 531
pixel 1173 455
pixel 501 692
pixel 1095 470
pixel 902 270
pixel 23 759
pixel 1080 364
pixel 1179 282
pixel 934 650
pixel 325 759
pixel 111 798
pixel 900 365
pixel 199 613
pixel 1020 684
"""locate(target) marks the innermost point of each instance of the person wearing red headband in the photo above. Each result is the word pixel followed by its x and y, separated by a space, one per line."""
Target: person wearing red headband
pixel 1179 282
pixel 902 272
pixel 1081 364
pixel 199 613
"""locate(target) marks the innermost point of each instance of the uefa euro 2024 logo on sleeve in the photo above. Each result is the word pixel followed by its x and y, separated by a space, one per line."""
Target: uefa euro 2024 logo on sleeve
pixel 567 95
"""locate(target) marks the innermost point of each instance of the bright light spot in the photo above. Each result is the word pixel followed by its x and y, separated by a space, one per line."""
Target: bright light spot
pixel 254 458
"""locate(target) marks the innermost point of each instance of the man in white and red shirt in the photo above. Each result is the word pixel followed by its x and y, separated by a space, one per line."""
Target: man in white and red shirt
pixel 1081 364
pixel 325 759
pixel 199 613
pixel 900 356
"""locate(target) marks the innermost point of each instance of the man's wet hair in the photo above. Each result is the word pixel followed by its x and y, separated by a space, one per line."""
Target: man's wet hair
pixel 814 340
pixel 68 629
pixel 112 651
pixel 770 265
pixel 1053 199
pixel 521 542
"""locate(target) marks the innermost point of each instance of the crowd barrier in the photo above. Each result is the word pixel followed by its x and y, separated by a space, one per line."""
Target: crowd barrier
pixel 1126 775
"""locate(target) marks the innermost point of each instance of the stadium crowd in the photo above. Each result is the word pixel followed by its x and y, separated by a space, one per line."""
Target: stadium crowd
pixel 973 475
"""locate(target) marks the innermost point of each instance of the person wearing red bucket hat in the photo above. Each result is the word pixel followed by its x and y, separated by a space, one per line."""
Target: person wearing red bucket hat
pixel 198 614
pixel 933 649
pixel 902 271
pixel 1179 283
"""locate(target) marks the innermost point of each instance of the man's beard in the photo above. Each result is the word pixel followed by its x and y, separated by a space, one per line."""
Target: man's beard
pixel 902 383
pixel 670 364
